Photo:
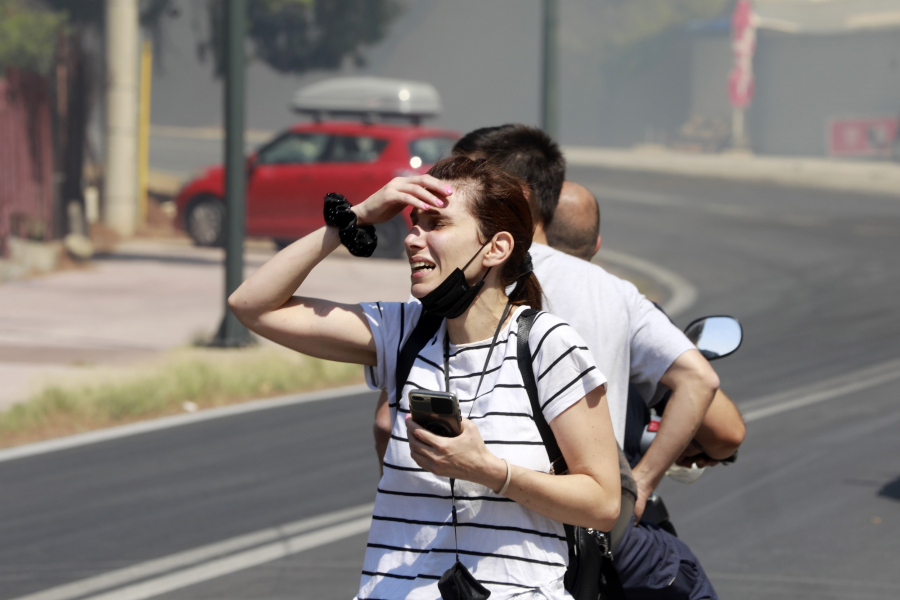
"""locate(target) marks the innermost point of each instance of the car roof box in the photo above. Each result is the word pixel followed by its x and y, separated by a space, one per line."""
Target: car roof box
pixel 368 98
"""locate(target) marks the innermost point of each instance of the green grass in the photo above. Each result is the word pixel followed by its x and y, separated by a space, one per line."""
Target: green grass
pixel 206 378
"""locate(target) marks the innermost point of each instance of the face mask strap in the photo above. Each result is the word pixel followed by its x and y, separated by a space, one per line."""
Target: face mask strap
pixel 476 255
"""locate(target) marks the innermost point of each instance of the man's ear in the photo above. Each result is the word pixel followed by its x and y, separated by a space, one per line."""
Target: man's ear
pixel 597 247
pixel 500 249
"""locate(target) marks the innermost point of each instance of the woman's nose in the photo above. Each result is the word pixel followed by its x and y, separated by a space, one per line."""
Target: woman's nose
pixel 414 238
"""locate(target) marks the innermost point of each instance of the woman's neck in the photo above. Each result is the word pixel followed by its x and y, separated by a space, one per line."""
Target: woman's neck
pixel 480 320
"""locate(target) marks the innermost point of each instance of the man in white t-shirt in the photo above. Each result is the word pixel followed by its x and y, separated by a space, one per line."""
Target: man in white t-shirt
pixel 575 230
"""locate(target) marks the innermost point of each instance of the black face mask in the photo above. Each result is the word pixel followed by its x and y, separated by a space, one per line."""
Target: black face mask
pixel 454 295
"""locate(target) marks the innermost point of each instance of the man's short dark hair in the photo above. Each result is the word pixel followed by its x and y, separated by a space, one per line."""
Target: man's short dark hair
pixel 526 152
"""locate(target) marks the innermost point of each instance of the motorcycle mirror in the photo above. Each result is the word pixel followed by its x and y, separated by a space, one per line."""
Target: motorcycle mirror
pixel 715 337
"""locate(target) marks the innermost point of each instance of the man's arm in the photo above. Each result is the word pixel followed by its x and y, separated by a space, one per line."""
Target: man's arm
pixel 693 383
pixel 719 436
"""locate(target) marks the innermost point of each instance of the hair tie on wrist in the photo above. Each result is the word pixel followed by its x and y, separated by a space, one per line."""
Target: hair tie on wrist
pixel 360 241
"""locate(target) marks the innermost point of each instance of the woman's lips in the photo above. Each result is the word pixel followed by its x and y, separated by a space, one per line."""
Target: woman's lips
pixel 420 268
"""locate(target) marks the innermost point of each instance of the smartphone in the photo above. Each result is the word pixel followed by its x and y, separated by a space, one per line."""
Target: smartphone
pixel 438 412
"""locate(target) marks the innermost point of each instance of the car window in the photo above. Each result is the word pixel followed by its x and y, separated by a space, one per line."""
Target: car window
pixel 429 150
pixel 352 148
pixel 295 148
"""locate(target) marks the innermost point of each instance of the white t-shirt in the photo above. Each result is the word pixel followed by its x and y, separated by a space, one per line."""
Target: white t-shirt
pixel 506 546
pixel 630 338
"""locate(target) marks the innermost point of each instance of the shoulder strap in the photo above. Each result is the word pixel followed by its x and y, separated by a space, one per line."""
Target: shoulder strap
pixel 424 330
pixel 523 356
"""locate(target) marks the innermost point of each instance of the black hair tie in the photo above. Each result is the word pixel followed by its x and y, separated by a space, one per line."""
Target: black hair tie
pixel 359 240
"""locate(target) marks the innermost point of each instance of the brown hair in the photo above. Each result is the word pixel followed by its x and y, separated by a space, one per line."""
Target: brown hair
pixel 497 202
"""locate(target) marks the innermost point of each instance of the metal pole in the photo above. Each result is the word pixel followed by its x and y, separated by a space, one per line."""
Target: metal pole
pixel 549 72
pixel 232 333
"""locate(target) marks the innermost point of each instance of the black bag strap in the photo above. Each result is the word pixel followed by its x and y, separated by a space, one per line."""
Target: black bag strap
pixel 523 356
pixel 424 330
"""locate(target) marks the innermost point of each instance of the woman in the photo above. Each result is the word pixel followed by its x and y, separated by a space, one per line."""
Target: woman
pixel 473 220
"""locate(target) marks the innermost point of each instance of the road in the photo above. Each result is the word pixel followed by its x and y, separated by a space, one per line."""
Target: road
pixel 811 509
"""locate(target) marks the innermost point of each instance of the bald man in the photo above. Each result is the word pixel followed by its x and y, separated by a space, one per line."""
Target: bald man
pixel 575 228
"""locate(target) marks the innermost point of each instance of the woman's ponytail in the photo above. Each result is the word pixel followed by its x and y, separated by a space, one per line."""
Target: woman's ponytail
pixel 528 291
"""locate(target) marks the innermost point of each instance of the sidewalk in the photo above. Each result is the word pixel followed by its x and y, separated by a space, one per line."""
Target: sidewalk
pixel 147 297
pixel 868 177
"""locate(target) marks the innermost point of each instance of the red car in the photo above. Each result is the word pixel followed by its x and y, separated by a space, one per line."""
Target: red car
pixel 288 178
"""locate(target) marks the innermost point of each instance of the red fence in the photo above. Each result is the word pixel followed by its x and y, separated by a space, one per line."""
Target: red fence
pixel 26 157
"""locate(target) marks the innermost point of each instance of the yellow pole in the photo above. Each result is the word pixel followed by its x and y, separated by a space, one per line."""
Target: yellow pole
pixel 144 129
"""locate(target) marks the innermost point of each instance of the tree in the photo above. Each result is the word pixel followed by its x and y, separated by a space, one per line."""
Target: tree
pixel 28 37
pixel 296 36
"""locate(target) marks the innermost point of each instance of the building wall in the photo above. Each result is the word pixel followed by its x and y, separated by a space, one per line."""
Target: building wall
pixel 711 62
pixel 26 156
pixel 804 81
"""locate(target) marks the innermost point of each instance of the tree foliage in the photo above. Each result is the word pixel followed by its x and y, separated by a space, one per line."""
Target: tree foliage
pixel 28 37
pixel 296 36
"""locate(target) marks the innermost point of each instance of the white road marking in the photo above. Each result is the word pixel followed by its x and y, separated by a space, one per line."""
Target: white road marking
pixel 214 560
pixel 835 387
pixel 683 293
pixel 113 433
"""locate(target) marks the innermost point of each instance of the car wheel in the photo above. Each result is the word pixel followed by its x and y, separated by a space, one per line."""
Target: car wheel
pixel 205 221
pixel 390 238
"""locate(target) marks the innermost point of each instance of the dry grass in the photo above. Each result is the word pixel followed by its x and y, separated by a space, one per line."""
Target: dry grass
pixel 187 379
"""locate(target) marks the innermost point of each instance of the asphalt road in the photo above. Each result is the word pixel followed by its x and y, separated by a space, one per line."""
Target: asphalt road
pixel 811 509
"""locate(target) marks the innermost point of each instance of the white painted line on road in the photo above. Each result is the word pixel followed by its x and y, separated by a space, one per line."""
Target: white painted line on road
pixel 215 560
pixel 113 433
pixel 683 292
pixel 237 562
pixel 843 385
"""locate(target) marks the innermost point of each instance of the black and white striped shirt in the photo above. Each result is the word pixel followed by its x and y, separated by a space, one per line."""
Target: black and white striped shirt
pixel 507 547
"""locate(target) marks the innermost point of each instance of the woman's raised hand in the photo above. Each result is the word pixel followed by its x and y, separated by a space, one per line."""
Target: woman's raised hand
pixel 420 191
pixel 463 457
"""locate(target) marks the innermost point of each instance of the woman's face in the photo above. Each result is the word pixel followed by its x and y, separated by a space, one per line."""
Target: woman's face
pixel 441 240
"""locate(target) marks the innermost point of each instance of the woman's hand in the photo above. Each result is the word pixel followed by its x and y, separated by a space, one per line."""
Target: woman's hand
pixel 462 457
pixel 421 191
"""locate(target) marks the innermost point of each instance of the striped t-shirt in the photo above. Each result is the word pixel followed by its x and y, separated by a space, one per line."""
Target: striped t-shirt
pixel 507 547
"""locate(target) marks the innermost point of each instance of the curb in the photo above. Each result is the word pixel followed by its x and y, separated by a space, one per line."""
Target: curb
pixel 874 178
